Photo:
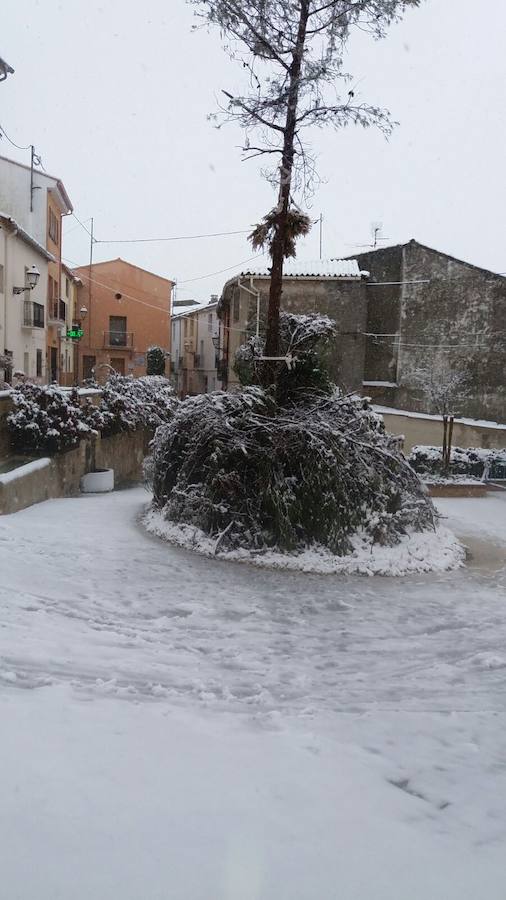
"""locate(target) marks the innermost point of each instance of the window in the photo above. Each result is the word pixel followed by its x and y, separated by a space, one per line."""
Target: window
pixel 236 307
pixel 67 287
pixel 38 315
pixel 117 331
pixel 53 227
pixel 39 363
pixel 33 314
pixel 1 279
pixel 210 323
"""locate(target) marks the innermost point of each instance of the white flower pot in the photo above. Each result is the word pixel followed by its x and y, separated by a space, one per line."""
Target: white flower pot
pixel 99 482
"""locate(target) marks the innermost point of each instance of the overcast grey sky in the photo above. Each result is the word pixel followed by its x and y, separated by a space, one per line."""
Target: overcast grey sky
pixel 114 95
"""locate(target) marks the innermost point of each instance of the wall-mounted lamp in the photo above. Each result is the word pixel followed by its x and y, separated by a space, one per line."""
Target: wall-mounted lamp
pixel 83 312
pixel 32 279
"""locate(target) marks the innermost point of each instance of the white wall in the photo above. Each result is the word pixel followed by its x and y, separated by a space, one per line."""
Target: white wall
pixel 15 256
pixel 15 197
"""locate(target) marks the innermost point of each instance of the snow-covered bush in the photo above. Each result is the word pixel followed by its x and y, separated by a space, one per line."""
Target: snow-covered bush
pixel 45 418
pixel 155 361
pixel 256 474
pixel 50 419
pixel 304 340
pixel 473 462
pixel 130 403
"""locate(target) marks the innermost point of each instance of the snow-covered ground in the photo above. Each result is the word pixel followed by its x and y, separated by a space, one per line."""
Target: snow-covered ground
pixel 175 726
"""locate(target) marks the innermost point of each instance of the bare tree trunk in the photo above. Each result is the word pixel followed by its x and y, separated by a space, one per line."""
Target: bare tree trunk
pixel 278 243
pixel 449 443
pixel 445 432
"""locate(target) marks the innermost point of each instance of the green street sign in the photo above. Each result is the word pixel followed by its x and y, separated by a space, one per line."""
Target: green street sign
pixel 75 333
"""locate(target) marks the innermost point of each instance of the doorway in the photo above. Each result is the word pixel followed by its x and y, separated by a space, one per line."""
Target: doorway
pixel 118 363
pixel 53 363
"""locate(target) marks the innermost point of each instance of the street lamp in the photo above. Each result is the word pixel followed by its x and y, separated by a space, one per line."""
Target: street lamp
pixel 5 69
pixel 32 276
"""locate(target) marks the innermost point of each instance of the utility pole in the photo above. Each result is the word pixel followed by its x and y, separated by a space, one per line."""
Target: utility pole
pixel 32 157
pixel 90 283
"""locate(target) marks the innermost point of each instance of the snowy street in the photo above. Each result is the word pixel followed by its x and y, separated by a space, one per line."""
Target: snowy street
pixel 174 726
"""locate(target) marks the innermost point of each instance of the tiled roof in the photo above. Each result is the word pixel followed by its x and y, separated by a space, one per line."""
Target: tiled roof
pixel 321 268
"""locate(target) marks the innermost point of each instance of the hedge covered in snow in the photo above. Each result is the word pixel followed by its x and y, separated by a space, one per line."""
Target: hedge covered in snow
pixel 50 419
pixel 474 462
pixel 253 474
pixel 46 419
pixel 130 403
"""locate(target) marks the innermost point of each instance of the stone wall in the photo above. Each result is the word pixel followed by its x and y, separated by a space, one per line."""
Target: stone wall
pixel 61 478
pixel 5 408
pixel 344 301
pixel 383 312
pixel 125 453
pixel 455 319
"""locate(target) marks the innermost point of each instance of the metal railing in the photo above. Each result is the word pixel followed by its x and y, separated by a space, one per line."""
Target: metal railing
pixel 57 311
pixel 33 314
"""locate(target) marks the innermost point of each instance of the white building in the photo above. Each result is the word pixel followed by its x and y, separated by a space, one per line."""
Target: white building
pixel 68 352
pixel 23 322
pixel 37 202
pixel 193 364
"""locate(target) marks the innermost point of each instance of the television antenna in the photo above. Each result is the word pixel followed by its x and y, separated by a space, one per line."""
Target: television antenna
pixel 376 237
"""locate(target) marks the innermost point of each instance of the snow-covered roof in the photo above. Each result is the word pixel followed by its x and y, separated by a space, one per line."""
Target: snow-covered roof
pixel 321 268
pixel 27 238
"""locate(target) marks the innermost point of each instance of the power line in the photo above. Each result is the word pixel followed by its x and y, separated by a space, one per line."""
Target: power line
pixel 220 271
pixel 88 232
pixel 3 133
pixel 184 237
pixel 74 227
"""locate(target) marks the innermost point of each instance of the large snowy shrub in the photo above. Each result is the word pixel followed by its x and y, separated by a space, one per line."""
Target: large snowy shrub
pixel 155 361
pixel 241 467
pixel 304 340
pixel 130 403
pixel 45 419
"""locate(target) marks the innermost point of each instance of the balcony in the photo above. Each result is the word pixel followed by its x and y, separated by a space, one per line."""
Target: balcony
pixel 57 312
pixel 119 339
pixel 33 315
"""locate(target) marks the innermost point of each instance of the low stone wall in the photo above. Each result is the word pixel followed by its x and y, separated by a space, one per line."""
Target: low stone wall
pixel 428 430
pixel 5 408
pixel 458 490
pixel 124 453
pixel 61 477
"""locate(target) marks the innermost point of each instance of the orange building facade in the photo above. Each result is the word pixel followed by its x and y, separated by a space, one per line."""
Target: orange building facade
pixel 123 310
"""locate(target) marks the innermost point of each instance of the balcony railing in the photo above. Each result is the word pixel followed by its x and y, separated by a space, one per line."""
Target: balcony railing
pixel 57 311
pixel 33 314
pixel 120 339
